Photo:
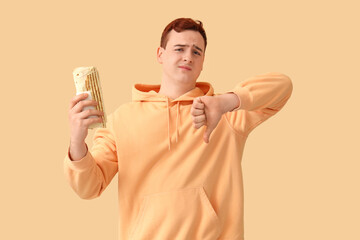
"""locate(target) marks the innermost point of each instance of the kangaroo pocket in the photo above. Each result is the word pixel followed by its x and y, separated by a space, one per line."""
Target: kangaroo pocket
pixel 181 214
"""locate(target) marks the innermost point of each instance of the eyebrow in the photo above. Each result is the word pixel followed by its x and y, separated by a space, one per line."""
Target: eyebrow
pixel 183 45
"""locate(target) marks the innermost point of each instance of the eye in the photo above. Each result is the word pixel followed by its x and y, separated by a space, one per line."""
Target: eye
pixel 178 49
pixel 197 53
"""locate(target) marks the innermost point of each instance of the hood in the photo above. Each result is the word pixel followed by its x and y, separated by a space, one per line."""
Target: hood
pixel 150 93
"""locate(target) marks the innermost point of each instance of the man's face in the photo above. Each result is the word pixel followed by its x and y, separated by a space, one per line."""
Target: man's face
pixel 183 49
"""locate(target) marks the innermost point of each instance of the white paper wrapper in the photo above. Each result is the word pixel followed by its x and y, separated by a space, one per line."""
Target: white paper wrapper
pixel 89 97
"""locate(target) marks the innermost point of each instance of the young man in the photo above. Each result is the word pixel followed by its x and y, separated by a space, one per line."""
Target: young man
pixel 176 180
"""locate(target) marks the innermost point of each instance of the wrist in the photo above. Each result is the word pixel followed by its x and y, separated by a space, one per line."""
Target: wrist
pixel 229 101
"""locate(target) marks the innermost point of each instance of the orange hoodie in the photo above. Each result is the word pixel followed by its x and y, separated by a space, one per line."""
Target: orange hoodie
pixel 171 184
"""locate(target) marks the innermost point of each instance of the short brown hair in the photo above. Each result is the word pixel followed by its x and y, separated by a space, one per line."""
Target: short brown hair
pixel 180 25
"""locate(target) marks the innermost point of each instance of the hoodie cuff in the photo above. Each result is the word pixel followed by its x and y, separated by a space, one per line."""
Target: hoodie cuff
pixel 244 98
pixel 80 165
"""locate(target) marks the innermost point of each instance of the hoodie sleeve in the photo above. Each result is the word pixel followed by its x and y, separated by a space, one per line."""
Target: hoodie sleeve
pixel 89 176
pixel 261 97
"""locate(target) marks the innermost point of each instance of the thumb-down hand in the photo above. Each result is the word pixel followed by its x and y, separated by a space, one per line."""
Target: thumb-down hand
pixel 206 110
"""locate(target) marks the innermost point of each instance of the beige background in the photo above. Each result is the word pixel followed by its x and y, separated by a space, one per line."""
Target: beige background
pixel 301 168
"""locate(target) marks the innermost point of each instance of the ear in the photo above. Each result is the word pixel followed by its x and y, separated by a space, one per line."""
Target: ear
pixel 159 53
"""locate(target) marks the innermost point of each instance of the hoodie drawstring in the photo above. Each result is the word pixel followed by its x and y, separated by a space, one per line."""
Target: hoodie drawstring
pixel 177 119
pixel 167 101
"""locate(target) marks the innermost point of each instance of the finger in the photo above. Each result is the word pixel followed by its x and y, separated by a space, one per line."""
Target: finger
pixel 207 134
pixel 206 139
pixel 88 122
pixel 197 112
pixel 79 107
pixel 90 112
pixel 198 125
pixel 200 118
pixel 76 99
pixel 198 104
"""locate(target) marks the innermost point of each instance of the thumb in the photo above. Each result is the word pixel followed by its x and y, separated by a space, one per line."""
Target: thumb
pixel 207 134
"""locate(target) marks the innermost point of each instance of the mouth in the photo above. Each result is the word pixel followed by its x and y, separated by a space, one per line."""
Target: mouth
pixel 185 67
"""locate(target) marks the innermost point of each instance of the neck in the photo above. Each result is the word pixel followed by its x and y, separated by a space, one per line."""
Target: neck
pixel 175 90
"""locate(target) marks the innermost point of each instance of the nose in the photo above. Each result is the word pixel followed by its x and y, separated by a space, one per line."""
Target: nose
pixel 187 57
